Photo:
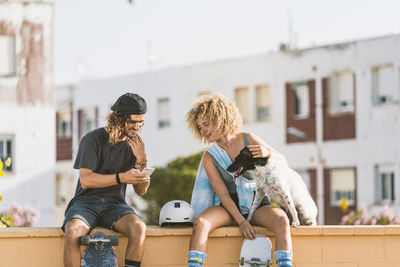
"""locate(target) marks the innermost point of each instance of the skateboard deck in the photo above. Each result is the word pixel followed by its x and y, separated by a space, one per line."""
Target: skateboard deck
pixel 256 253
pixel 99 250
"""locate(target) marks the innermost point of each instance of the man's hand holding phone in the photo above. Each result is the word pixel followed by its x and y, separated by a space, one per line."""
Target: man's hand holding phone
pixel 148 170
pixel 134 177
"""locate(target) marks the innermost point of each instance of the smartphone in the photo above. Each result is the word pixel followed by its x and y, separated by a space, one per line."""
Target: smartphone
pixel 148 170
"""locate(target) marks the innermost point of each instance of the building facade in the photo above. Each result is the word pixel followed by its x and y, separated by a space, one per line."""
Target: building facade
pixel 333 111
pixel 64 177
pixel 27 107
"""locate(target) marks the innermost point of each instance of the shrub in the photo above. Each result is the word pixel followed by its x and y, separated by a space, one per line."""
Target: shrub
pixel 361 217
pixel 174 182
pixel 17 216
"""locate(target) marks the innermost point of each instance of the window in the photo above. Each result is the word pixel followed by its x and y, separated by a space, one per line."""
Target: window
pixel 301 100
pixel 242 101
pixel 383 84
pixel 384 184
pixel 262 103
pixel 87 120
pixel 342 185
pixel 341 95
pixel 6 151
pixel 64 187
pixel 60 198
pixel 163 113
pixel 7 55
pixel 64 124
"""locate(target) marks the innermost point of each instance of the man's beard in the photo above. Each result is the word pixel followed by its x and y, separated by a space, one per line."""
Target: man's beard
pixel 129 131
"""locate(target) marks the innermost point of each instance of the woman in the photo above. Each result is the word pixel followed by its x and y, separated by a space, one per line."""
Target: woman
pixel 214 119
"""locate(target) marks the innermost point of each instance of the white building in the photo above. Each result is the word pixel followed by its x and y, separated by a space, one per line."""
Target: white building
pixel 27 107
pixel 64 179
pixel 332 110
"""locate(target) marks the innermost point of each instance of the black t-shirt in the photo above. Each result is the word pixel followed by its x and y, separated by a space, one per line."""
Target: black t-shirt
pixel 97 154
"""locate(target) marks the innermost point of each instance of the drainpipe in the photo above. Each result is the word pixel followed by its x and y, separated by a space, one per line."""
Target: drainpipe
pixel 318 147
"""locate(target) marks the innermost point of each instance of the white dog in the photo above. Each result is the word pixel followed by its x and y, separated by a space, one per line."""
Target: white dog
pixel 282 184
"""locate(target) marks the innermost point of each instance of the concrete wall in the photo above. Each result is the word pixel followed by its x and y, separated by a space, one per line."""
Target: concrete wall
pixel 326 246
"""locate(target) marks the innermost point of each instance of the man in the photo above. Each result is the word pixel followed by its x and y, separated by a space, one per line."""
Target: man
pixel 108 159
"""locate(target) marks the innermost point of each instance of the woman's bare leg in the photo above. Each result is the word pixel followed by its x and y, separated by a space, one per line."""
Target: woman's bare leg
pixel 276 220
pixel 209 220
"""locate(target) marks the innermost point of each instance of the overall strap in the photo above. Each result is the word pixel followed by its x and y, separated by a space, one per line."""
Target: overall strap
pixel 245 140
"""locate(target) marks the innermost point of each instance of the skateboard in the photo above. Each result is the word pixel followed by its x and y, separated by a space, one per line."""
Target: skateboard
pixel 99 250
pixel 256 253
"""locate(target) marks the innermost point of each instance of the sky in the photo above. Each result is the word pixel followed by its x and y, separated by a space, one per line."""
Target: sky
pixel 100 39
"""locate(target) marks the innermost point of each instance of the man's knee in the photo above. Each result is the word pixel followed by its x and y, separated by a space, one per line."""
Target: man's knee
pixel 137 228
pixel 75 228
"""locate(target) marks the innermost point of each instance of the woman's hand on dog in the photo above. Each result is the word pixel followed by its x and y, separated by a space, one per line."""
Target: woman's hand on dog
pixel 247 230
pixel 258 151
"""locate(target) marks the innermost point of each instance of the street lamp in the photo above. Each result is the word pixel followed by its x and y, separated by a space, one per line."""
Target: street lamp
pixel 293 131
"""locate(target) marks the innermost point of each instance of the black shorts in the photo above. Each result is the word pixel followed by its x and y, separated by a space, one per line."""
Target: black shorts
pixel 235 199
pixel 97 212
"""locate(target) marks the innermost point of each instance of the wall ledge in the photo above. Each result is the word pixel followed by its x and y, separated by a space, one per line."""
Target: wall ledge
pixel 327 246
pixel 232 231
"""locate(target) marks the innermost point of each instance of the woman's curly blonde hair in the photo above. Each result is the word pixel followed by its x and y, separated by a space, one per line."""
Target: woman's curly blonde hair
pixel 224 114
pixel 116 126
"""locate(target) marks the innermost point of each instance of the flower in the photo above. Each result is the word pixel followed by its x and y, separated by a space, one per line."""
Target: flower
pixel 18 216
pixel 361 217
pixel 8 162
pixel 18 220
pixel 1 197
pixel 16 207
pixel 344 219
pixel 1 168
pixel 343 204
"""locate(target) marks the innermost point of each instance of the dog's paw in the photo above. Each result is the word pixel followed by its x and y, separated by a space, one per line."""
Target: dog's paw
pixel 309 222
pixel 295 223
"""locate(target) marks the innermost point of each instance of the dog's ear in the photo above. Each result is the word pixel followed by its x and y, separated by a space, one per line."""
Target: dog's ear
pixel 257 161
pixel 246 151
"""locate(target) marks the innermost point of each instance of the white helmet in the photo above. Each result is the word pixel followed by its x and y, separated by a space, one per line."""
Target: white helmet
pixel 176 212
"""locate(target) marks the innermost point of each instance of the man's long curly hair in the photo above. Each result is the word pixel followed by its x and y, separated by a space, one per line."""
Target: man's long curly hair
pixel 116 126
pixel 224 114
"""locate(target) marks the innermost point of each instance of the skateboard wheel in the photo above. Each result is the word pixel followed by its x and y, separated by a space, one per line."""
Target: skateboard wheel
pixel 241 261
pixel 85 240
pixel 114 240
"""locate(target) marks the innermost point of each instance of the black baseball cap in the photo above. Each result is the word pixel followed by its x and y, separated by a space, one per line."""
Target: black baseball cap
pixel 131 104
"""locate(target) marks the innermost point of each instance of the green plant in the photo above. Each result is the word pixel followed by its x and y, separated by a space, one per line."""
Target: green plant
pixel 175 181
